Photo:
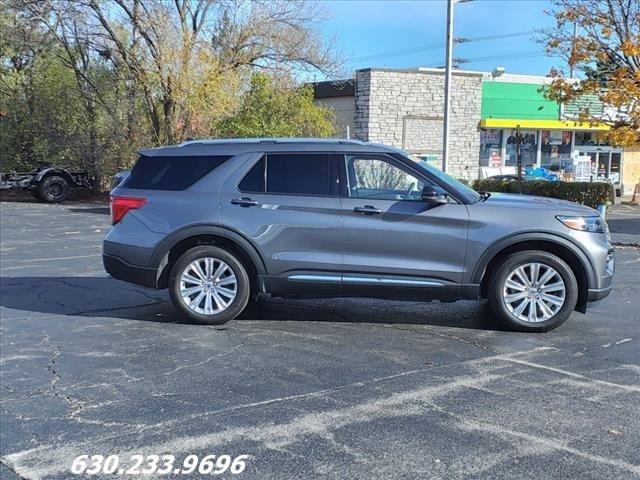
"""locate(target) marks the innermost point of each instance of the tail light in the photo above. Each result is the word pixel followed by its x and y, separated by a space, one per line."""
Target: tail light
pixel 121 205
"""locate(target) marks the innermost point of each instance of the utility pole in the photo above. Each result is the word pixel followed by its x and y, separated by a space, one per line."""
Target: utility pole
pixel 447 85
pixel 519 157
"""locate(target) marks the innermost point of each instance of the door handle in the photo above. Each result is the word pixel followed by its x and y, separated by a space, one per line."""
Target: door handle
pixel 244 202
pixel 368 210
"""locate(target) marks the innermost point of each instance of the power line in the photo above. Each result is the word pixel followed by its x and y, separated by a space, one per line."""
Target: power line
pixel 398 53
pixel 495 37
pixel 435 46
pixel 503 56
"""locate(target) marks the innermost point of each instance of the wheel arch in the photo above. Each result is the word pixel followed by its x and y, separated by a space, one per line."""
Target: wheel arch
pixel 174 245
pixel 48 172
pixel 577 260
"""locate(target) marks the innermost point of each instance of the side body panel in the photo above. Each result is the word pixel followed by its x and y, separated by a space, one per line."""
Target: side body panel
pixel 299 237
pixel 405 248
pixel 409 241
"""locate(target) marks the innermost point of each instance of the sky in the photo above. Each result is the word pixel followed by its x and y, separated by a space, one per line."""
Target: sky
pixel 373 33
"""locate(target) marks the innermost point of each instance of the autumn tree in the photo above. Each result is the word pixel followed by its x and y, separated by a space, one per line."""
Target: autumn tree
pixel 275 107
pixel 42 118
pixel 600 38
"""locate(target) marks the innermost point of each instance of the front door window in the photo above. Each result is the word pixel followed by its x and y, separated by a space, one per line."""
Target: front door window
pixel 376 178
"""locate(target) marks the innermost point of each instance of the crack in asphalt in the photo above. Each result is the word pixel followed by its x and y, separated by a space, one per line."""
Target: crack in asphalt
pixel 74 405
pixel 12 470
pixel 426 331
pixel 198 364
pixel 72 285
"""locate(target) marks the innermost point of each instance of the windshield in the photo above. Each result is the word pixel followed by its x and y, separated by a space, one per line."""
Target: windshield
pixel 469 194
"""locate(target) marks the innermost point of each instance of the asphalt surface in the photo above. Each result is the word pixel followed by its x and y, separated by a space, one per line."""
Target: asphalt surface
pixel 309 389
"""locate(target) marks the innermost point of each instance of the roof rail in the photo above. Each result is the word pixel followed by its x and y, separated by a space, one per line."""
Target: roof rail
pixel 210 141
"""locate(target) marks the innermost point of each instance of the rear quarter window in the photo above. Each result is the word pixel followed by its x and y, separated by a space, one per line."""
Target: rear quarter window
pixel 170 173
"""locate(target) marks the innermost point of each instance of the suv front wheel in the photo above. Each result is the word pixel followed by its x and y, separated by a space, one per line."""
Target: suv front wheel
pixel 209 285
pixel 533 291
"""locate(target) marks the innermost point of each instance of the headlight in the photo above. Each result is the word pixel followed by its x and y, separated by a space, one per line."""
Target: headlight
pixel 585 224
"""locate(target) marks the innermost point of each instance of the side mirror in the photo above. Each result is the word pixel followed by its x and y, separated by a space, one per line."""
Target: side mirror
pixel 431 195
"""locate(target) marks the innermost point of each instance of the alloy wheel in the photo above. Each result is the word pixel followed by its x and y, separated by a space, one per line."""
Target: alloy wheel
pixel 208 286
pixel 534 292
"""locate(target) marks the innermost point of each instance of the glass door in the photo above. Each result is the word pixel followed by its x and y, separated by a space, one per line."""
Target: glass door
pixel 594 161
pixel 602 166
pixel 614 167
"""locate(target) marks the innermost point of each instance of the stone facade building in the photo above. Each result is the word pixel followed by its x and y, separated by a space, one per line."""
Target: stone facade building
pixel 404 108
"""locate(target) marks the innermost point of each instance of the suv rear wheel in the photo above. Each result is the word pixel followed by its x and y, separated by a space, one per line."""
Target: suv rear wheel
pixel 209 285
pixel 533 291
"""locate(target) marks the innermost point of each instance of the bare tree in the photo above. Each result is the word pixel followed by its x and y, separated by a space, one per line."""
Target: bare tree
pixel 165 43
pixel 271 35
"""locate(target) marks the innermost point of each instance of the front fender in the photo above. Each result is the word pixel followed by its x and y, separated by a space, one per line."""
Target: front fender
pixel 505 242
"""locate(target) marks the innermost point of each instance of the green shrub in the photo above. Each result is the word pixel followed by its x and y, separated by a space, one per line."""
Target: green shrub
pixel 590 194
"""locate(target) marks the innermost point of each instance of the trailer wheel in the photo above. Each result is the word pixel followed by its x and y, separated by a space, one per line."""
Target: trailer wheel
pixel 54 189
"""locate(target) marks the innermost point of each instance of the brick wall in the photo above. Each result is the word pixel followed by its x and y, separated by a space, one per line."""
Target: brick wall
pixel 405 109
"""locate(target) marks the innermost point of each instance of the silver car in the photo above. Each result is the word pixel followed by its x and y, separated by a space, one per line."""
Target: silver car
pixel 219 222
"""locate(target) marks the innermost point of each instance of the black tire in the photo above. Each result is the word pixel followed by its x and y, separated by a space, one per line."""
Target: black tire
pixel 243 286
pixel 501 274
pixel 54 189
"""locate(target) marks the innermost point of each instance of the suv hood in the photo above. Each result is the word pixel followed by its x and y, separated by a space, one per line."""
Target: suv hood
pixel 508 200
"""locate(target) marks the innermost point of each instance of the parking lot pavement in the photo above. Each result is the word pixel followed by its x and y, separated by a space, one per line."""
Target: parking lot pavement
pixel 624 222
pixel 308 389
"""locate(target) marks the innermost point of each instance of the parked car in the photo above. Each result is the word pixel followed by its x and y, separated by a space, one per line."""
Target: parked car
pixel 220 222
pixel 514 178
pixel 46 183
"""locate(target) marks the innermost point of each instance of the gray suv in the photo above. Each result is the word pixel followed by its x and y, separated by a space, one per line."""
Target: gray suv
pixel 220 222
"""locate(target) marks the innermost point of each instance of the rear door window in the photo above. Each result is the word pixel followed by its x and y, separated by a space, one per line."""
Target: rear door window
pixel 299 174
pixel 253 181
pixel 171 173
pixel 293 174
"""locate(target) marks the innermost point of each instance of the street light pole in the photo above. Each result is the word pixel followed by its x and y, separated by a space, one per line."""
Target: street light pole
pixel 447 85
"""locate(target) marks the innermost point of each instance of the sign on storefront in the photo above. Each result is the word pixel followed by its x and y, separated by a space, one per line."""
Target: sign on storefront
pixel 582 168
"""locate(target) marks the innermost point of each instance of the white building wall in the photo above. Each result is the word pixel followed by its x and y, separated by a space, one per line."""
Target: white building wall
pixel 345 108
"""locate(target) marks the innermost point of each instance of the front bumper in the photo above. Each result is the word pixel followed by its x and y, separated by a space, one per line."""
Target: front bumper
pixel 596 294
pixel 118 268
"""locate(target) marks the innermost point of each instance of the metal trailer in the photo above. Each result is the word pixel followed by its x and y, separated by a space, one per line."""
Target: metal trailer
pixel 46 183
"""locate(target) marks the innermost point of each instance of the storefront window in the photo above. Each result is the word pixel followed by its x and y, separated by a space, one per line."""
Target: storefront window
pixel 529 147
pixel 556 150
pixel 490 148
pixel 586 139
